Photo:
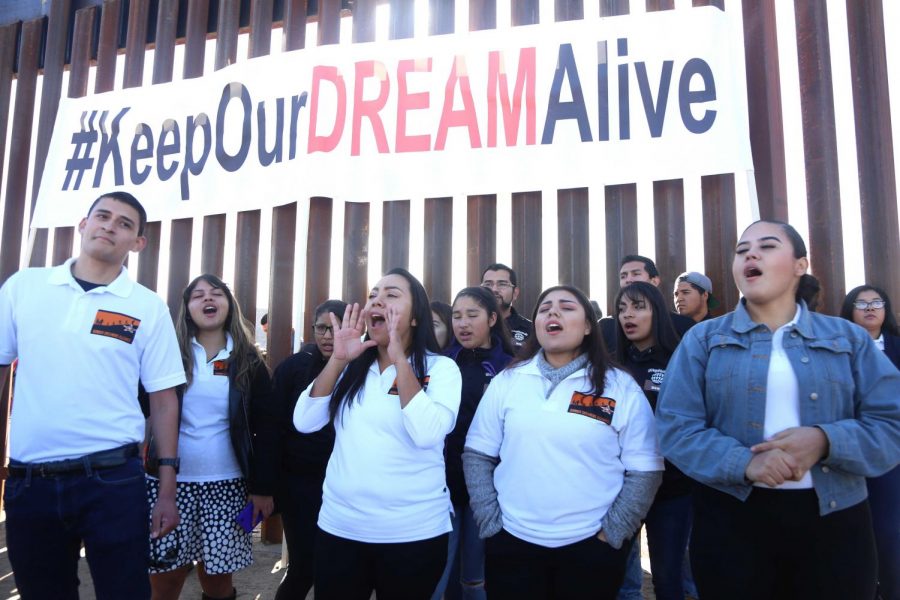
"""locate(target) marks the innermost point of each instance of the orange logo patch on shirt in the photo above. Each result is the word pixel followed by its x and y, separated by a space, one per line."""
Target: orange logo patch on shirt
pixel 115 325
pixel 395 392
pixel 220 367
pixel 595 407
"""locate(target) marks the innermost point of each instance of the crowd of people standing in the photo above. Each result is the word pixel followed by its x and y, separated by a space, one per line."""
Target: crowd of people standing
pixel 424 450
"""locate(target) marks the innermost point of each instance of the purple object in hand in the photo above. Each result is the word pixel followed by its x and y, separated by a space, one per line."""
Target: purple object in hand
pixel 245 518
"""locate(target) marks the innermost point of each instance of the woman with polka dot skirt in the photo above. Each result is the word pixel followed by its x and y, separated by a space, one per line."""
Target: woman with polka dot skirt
pixel 227 447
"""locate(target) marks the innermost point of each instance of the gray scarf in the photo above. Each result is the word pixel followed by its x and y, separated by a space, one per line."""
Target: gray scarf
pixel 555 375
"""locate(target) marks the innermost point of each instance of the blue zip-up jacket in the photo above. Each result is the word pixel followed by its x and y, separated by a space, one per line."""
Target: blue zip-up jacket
pixel 712 403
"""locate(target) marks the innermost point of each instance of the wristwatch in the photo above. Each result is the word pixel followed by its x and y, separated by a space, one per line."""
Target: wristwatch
pixel 175 463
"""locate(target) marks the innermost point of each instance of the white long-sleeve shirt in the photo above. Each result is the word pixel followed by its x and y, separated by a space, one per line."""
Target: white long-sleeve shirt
pixel 385 480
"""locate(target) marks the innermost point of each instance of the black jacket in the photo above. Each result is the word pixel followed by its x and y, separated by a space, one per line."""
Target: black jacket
pixel 477 368
pixel 301 453
pixel 253 426
pixel 519 327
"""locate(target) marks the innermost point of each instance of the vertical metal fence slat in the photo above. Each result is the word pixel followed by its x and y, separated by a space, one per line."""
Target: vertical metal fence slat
pixel 402 19
pixel 329 31
pixel 481 236
pixel 874 145
pixel 528 255
pixel 20 148
pixel 482 14
pixel 621 234
pixel 246 263
pixel 364 20
pixel 441 16
pixel 108 46
pixel 318 260
pixel 823 193
pixel 438 248
pixel 764 107
pixel 613 8
pixel 569 10
pixel 281 283
pixel 668 215
pixel 227 33
pixel 7 65
pixel 524 12
pixel 148 259
pixel 136 42
pixel 212 257
pixel 294 25
pixel 719 237
pixel 179 262
pixel 657 5
pixel 164 51
pixel 356 251
pixel 260 28
pixel 395 235
pixel 51 90
pixel 195 38
pixel 574 238
pixel 82 41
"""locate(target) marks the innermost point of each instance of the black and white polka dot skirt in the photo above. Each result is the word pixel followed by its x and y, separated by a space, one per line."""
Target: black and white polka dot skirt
pixel 208 531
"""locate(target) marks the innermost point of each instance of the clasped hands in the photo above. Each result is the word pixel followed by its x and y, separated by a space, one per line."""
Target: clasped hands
pixel 787 456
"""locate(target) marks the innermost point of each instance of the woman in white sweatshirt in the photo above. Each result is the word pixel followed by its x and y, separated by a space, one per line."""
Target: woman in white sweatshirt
pixel 385 509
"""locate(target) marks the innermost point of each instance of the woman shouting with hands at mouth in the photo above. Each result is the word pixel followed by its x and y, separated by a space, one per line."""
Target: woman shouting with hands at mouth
pixel 780 413
pixel 385 513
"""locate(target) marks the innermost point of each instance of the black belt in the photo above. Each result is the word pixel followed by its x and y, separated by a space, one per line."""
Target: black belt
pixel 104 459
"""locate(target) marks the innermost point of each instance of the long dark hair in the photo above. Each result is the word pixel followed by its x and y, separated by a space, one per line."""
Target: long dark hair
pixel 486 300
pixel 665 336
pixel 592 345
pixel 244 353
pixel 353 379
pixel 444 313
pixel 808 287
pixel 890 321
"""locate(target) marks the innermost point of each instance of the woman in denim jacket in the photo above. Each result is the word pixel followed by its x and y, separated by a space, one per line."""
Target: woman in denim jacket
pixel 780 414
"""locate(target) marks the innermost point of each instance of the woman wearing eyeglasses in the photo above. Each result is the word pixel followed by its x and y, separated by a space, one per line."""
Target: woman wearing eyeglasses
pixel 870 307
pixel 304 456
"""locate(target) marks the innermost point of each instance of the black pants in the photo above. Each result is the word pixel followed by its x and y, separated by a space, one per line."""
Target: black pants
pixel 518 570
pixel 351 570
pixel 299 500
pixel 775 545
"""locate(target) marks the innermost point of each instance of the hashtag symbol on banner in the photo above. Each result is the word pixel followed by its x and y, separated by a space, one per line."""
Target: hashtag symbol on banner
pixel 83 143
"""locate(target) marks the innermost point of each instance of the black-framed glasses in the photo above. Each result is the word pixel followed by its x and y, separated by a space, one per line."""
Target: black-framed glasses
pixel 322 329
pixel 500 285
pixel 863 305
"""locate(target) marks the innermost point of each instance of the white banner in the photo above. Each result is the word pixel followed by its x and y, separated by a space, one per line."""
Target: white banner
pixel 564 105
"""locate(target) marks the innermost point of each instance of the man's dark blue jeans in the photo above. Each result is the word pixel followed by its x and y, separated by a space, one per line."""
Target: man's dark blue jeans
pixel 48 518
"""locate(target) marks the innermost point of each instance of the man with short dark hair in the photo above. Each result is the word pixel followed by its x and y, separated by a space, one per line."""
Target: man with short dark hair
pixel 693 296
pixel 634 267
pixel 501 280
pixel 86 335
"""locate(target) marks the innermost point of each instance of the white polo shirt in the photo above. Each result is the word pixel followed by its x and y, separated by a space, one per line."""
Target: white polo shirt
pixel 385 480
pixel 562 458
pixel 81 355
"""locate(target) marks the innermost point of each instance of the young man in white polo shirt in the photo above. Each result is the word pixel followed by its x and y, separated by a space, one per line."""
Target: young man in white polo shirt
pixel 85 335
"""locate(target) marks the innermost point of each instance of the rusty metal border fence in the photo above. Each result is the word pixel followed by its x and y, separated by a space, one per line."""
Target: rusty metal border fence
pixel 76 36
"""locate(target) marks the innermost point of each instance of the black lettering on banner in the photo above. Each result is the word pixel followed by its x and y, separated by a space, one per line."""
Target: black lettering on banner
pixel 164 149
pixel 233 162
pixel 109 147
pixel 267 157
pixel 192 166
pixel 139 176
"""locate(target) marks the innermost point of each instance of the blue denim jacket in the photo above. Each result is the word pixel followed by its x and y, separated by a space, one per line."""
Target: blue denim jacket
pixel 712 404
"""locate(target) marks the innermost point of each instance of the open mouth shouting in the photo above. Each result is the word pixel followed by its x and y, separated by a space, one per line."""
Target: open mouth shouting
pixel 752 272
pixel 553 327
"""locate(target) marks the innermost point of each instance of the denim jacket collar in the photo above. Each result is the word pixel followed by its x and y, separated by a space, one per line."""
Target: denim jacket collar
pixel 743 323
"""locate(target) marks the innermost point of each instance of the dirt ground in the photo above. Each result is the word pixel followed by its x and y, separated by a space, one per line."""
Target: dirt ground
pixel 257 582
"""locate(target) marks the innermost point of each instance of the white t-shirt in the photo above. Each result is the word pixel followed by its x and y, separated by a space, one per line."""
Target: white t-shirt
pixel 81 355
pixel 204 441
pixel 385 480
pixel 562 458
pixel 783 398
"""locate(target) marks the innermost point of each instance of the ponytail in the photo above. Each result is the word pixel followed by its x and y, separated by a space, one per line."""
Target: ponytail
pixel 808 290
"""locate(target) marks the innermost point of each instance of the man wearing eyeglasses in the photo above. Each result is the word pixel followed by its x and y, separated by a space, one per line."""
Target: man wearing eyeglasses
pixel 501 280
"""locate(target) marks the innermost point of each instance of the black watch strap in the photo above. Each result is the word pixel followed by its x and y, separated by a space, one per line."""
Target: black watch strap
pixel 175 463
